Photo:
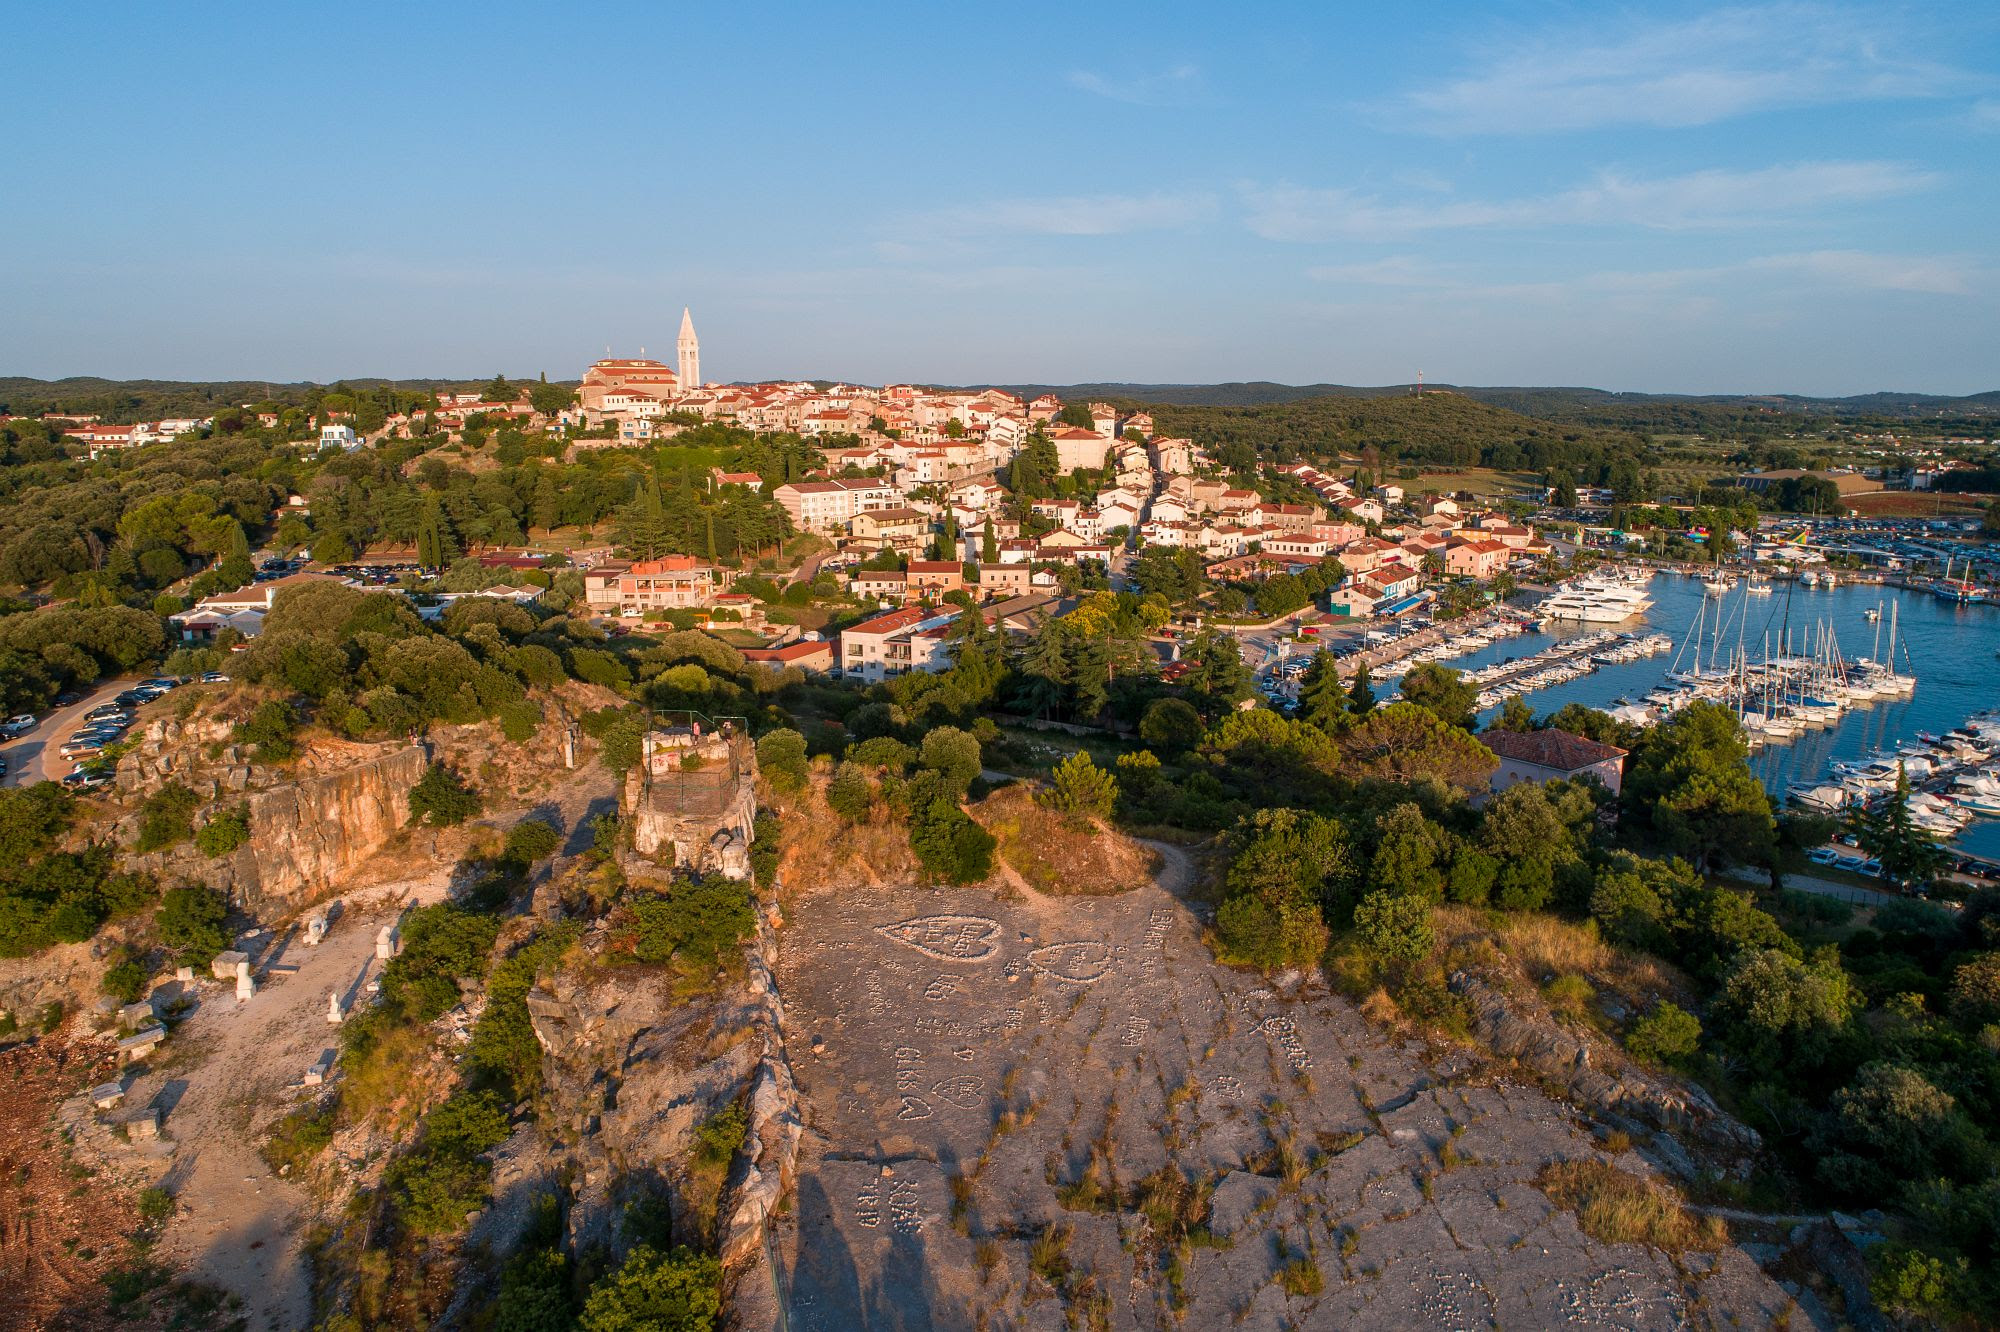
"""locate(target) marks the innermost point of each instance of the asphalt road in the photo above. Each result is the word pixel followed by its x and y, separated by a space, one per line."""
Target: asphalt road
pixel 34 758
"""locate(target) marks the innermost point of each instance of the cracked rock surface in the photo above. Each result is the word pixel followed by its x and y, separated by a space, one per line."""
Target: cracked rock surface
pixel 981 1079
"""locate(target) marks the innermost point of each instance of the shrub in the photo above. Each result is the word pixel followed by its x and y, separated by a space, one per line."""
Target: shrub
pixel 271 728
pixel 952 754
pixel 850 793
pixel 691 923
pixel 167 817
pixel 155 1206
pixel 531 840
pixel 718 1138
pixel 676 1291
pixel 1259 934
pixel 520 720
pixel 949 845
pixel 191 921
pixel 441 799
pixel 224 832
pixel 1394 927
pixel 125 981
pixel 534 1293
pixel 781 757
pixel 503 1052
pixel 1668 1035
pixel 442 945
pixel 1081 789
pixel 1171 725
pixel 443 1179
pixel 883 751
pixel 297 1139
pixel 1915 1285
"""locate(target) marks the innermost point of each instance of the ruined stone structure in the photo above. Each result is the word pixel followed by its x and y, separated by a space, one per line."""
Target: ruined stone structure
pixel 692 797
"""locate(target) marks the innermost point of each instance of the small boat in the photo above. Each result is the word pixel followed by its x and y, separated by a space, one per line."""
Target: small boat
pixel 1871 615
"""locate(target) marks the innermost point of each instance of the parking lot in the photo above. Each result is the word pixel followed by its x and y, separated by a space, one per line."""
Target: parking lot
pixel 58 744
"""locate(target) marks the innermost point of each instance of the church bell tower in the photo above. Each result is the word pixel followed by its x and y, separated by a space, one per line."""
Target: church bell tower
pixel 689 347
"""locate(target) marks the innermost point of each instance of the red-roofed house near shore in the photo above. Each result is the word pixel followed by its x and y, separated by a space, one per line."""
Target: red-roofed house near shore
pixel 1551 755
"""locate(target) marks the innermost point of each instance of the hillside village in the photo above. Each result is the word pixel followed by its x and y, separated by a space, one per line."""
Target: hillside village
pixel 924 496
pixel 521 855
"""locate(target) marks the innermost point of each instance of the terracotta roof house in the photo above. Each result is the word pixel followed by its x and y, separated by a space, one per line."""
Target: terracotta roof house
pixel 1550 755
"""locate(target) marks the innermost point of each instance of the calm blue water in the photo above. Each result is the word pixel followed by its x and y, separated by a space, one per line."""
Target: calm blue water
pixel 1951 651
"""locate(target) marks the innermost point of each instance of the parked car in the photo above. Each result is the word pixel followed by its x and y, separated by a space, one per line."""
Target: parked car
pixel 214 677
pixel 77 749
pixel 161 683
pixel 85 777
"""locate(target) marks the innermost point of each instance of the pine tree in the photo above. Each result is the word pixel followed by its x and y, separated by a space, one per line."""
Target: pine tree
pixel 1361 694
pixel 1044 669
pixel 1322 697
pixel 1908 853
pixel 989 545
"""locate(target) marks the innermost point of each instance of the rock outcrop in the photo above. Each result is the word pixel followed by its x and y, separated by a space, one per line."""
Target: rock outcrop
pixel 772 1144
pixel 1618 1090
pixel 631 1071
pixel 305 835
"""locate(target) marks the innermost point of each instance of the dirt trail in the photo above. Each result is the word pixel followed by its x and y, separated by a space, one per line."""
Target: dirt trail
pixel 229 1072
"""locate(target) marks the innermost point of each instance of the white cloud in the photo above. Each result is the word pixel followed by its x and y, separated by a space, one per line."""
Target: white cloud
pixel 1714 198
pixel 1676 73
pixel 1944 275
pixel 1168 87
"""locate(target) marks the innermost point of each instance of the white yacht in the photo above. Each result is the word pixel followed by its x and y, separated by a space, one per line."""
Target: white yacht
pixel 1593 600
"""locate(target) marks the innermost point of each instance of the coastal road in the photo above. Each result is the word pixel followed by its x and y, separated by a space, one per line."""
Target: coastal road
pixel 34 758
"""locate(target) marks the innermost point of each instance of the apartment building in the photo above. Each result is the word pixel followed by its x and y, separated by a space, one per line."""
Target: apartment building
pixel 897 642
pixel 677 582
pixel 829 506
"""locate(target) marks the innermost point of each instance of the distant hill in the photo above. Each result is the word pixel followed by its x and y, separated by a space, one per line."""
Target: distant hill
pixel 1595 406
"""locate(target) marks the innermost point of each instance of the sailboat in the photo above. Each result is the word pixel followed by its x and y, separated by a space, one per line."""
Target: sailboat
pixel 1959 591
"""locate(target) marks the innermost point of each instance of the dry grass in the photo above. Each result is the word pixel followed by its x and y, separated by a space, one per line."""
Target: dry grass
pixel 1546 947
pixel 1056 856
pixel 1615 1206
pixel 823 850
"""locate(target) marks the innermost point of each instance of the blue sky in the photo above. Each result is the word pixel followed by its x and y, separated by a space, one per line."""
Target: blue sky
pixel 1786 197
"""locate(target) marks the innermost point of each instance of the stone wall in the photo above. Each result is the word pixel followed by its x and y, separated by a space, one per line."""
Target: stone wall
pixel 703 818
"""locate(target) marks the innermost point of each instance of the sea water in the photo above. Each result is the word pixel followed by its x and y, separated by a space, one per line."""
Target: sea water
pixel 1950 649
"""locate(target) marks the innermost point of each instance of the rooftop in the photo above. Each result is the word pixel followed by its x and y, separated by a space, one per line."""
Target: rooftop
pixel 1559 751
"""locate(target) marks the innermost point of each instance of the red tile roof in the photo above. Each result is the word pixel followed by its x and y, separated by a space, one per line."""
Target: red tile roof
pixel 1558 751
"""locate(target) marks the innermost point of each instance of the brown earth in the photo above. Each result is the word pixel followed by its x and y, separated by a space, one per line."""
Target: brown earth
pixel 1058 856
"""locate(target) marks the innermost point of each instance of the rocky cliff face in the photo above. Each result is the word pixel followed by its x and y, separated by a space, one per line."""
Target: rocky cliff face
pixel 630 1072
pixel 1617 1089
pixel 304 834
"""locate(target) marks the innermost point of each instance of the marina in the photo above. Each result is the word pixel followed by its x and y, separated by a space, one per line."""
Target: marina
pixel 1947 648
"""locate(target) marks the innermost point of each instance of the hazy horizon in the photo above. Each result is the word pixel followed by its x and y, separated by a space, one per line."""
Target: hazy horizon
pixel 1692 198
